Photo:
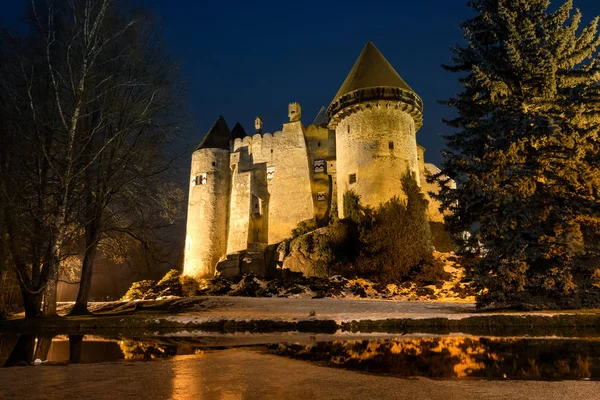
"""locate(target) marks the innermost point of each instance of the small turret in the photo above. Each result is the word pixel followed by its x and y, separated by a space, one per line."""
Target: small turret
pixel 238 132
pixel 258 124
pixel 218 136
pixel 206 234
pixel 294 112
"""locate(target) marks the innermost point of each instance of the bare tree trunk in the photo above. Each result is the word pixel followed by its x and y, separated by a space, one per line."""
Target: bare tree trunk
pixel 51 290
pixel 22 353
pixel 30 291
pixel 7 344
pixel 3 269
pixel 32 303
pixel 85 283
pixel 92 236
pixel 43 347
pixel 52 270
pixel 75 342
pixel 3 275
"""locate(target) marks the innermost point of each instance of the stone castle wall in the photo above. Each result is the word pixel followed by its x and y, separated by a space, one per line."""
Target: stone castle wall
pixel 375 146
pixel 239 211
pixel 320 142
pixel 280 193
pixel 267 184
pixel 206 238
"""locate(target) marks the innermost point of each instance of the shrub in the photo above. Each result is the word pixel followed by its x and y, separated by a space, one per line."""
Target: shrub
pixel 170 284
pixel 388 244
pixel 395 240
pixel 189 286
pixel 139 290
pixel 304 227
pixel 352 207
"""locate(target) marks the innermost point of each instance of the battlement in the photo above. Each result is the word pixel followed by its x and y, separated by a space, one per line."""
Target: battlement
pixel 259 140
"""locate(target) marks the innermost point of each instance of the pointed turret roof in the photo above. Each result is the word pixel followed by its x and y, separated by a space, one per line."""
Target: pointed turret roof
pixel 322 118
pixel 238 132
pixel 371 70
pixel 218 136
pixel 372 80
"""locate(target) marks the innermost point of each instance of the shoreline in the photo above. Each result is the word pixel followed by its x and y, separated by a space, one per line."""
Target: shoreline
pixel 264 315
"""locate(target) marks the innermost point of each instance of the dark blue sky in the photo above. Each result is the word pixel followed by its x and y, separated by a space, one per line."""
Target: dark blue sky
pixel 247 58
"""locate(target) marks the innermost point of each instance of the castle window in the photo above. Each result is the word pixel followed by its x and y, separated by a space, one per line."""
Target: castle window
pixel 199 180
pixel 318 144
pixel 348 128
pixel 214 163
pixel 391 145
pixel 271 151
pixel 352 178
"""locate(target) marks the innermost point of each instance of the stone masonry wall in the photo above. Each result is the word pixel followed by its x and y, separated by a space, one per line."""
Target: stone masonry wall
pixel 377 145
pixel 320 142
pixel 239 215
pixel 206 235
pixel 288 199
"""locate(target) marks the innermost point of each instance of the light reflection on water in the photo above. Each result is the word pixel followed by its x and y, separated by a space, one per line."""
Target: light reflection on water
pixel 458 357
pixel 408 356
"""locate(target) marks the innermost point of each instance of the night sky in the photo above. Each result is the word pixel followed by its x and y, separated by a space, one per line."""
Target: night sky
pixel 247 58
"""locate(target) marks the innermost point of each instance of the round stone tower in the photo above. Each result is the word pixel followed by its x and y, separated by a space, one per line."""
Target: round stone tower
pixel 375 115
pixel 206 234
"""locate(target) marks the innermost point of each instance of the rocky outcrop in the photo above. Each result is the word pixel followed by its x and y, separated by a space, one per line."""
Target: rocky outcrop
pixel 304 257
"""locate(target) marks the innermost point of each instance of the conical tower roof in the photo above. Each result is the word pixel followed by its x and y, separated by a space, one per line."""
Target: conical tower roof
pixel 322 118
pixel 238 132
pixel 372 80
pixel 371 70
pixel 218 136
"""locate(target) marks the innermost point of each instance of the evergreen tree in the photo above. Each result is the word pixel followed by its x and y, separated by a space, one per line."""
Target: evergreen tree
pixel 525 154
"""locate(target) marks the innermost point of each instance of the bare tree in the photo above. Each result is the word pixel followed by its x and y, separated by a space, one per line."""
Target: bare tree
pixel 90 95
pixel 24 171
pixel 123 188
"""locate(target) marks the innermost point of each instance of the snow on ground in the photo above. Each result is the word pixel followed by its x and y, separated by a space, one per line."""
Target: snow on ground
pixel 297 309
pixel 340 310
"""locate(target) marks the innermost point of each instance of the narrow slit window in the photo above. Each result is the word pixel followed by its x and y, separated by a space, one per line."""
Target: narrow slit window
pixel 391 145
pixel 214 163
pixel 348 128
pixel 352 178
pixel 200 179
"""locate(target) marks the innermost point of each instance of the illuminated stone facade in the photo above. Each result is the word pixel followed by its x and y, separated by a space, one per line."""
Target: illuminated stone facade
pixel 249 192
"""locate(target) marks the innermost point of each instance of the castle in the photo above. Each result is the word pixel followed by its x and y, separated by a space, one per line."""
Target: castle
pixel 249 192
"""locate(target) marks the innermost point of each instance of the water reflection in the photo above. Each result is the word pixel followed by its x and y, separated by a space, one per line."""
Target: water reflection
pixel 429 356
pixel 21 350
pixel 458 357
